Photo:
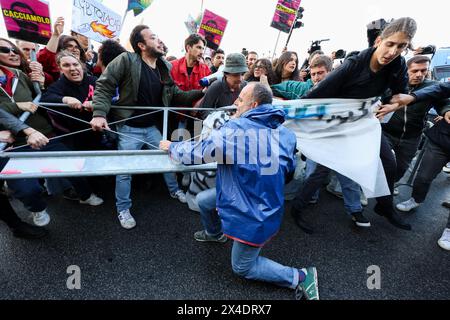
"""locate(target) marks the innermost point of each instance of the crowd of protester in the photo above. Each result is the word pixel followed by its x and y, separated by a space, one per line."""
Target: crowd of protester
pixel 68 71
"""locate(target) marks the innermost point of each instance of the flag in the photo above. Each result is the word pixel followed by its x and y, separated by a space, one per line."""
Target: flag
pixel 138 5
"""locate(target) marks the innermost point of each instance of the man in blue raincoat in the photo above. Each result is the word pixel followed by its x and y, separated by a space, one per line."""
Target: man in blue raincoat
pixel 255 154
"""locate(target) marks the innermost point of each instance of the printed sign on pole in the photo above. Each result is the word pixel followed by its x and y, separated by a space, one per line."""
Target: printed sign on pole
pixel 191 25
pixel 95 21
pixel 27 20
pixel 285 14
pixel 212 28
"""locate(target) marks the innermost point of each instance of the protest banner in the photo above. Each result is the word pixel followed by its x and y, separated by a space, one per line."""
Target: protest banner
pixel 191 25
pixel 95 21
pixel 27 20
pixel 341 134
pixel 212 28
pixel 285 13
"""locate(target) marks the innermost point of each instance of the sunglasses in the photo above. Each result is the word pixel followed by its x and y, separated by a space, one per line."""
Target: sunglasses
pixel 8 50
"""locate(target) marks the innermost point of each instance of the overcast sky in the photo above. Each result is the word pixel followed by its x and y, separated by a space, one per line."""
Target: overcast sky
pixel 343 22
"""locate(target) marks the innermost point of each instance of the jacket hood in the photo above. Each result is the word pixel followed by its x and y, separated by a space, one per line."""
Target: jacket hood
pixel 266 115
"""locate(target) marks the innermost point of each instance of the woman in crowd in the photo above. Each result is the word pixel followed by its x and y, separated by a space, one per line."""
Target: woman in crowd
pixel 261 71
pixel 287 67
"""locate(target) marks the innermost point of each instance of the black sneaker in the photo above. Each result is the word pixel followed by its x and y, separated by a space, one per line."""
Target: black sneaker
pixel 446 204
pixel 360 220
pixel 71 194
pixel 392 217
pixel 301 222
pixel 27 231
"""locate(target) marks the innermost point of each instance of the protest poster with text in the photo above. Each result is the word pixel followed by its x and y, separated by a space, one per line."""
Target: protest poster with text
pixel 212 28
pixel 285 13
pixel 95 21
pixel 27 20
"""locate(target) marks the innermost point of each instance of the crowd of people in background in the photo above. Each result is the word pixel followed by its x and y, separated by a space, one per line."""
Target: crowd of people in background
pixel 68 71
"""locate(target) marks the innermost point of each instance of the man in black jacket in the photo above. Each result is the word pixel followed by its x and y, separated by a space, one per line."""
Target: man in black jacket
pixel 405 127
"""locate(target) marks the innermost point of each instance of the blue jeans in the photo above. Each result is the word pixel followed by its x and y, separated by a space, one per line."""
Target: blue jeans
pixel 246 262
pixel 351 191
pixel 206 201
pixel 150 135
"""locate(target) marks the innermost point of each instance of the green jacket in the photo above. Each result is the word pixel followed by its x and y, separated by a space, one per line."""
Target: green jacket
pixel 291 90
pixel 22 89
pixel 124 72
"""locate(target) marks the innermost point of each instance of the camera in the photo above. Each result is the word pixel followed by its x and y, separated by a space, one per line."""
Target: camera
pixel 428 50
pixel 340 54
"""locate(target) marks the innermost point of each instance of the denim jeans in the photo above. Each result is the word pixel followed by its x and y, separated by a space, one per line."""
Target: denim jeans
pixel 206 201
pixel 150 135
pixel 310 168
pixel 351 191
pixel 246 262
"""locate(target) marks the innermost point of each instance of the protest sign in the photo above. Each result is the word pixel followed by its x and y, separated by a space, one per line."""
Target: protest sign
pixel 95 21
pixel 285 13
pixel 27 20
pixel 212 28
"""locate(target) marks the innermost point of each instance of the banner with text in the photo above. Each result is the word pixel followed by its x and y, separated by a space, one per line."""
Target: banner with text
pixel 285 14
pixel 95 21
pixel 27 20
pixel 212 28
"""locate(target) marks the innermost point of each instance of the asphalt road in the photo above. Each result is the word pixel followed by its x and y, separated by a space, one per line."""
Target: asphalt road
pixel 159 259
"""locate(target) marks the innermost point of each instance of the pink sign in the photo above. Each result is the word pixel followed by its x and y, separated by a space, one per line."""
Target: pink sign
pixel 212 28
pixel 285 14
pixel 27 20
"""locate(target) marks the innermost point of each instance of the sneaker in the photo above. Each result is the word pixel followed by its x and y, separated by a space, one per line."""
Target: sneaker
pixel 309 288
pixel 360 220
pixel 334 192
pixel 407 205
pixel 41 218
pixel 392 216
pixel 93 200
pixel 71 194
pixel 396 192
pixel 444 241
pixel 126 219
pixel 300 221
pixel 363 199
pixel 202 236
pixel 27 231
pixel 180 195
pixel 446 204
pixel 446 168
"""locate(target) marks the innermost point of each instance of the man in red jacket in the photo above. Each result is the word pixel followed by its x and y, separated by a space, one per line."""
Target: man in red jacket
pixel 188 71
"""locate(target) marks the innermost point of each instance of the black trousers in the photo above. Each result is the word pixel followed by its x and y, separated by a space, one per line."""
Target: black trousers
pixel 7 213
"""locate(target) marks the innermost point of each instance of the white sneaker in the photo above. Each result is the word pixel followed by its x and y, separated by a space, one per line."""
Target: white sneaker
pixel 446 168
pixel 93 200
pixel 180 195
pixel 444 241
pixel 363 199
pixel 407 205
pixel 126 219
pixel 41 218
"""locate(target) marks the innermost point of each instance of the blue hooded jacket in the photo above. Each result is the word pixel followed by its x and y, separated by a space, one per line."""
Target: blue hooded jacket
pixel 255 153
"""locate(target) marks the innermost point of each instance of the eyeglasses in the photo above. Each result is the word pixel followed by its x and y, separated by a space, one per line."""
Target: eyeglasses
pixel 7 50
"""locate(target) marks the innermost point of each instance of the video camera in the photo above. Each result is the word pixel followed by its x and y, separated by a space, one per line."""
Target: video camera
pixel 428 50
pixel 315 45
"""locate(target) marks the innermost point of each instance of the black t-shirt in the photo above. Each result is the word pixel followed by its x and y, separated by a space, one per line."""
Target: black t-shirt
pixel 189 70
pixel 149 94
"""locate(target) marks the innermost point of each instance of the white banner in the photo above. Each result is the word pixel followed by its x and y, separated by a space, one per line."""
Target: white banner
pixel 95 21
pixel 341 134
